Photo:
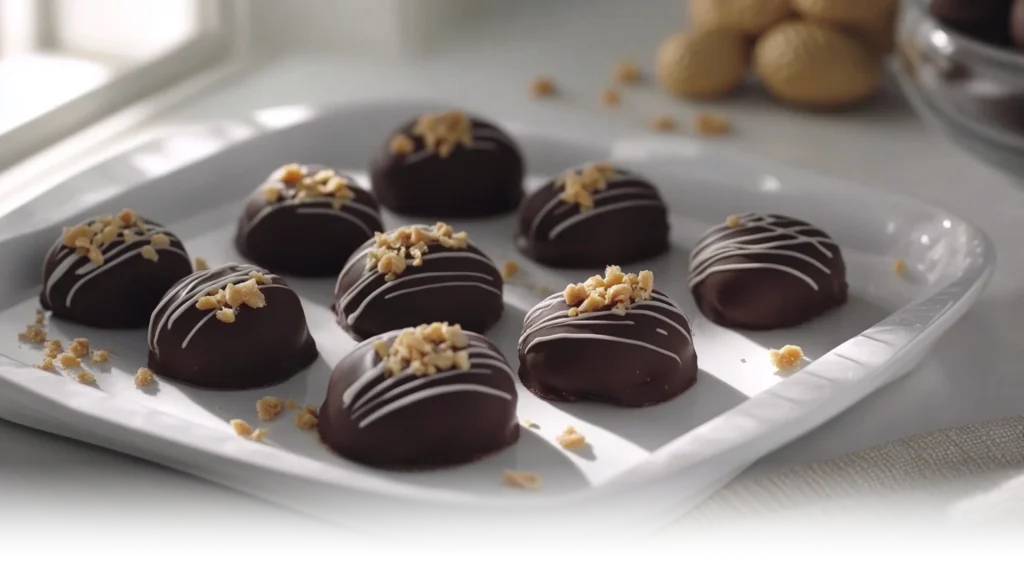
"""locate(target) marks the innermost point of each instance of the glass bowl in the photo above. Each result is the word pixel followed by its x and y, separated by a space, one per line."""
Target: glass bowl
pixel 971 91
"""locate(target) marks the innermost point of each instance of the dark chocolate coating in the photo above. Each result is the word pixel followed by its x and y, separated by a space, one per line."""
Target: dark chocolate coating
pixel 262 347
pixel 629 223
pixel 986 20
pixel 420 422
pixel 1017 23
pixel 308 238
pixel 486 179
pixel 641 358
pixel 121 293
pixel 770 272
pixel 460 286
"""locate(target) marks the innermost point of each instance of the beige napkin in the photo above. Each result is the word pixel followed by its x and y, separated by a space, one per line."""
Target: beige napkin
pixel 934 472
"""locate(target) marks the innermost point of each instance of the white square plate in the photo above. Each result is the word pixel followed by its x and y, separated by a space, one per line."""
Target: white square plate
pixel 645 467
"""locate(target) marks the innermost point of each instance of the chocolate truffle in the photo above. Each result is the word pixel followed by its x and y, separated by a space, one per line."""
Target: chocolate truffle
pixel 764 272
pixel 306 220
pixel 423 397
pixel 613 339
pixel 418 274
pixel 571 221
pixel 230 327
pixel 1017 23
pixel 449 165
pixel 985 20
pixel 110 272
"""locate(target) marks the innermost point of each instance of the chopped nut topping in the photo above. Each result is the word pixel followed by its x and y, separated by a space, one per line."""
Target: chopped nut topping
pixel 247 293
pixel 509 269
pixel 425 349
pixel 33 334
pixel 628 73
pixel 733 221
pixel 95 256
pixel 52 348
pixel 241 427
pixel 208 303
pixel 712 124
pixel 899 267
pixel 293 181
pixel 129 236
pixel 226 315
pixel 543 86
pixel 580 185
pixel 90 240
pixel 79 347
pixel 68 361
pixel 143 377
pixel 441 133
pixel 306 420
pixel 127 218
pixel 85 377
pixel 786 358
pixel 40 317
pixel 73 235
pixel 227 302
pixel 610 98
pixel 571 438
pixel 402 144
pixel 664 124
pixel 268 408
pixel 258 435
pixel 615 291
pixel 159 240
pixel 100 356
pixel 259 277
pixel 391 251
pixel 47 364
pixel 525 480
pixel 149 253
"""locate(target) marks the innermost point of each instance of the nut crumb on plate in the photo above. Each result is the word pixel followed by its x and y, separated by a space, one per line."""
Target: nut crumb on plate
pixel 663 124
pixel 786 358
pixel 46 364
pixel 542 86
pixel 68 360
pixel 306 420
pixel 712 124
pixel 85 377
pixel 258 435
pixel 508 269
pixel 33 334
pixel 268 408
pixel 290 404
pixel 79 347
pixel 571 438
pixel 627 72
pixel 100 356
pixel 525 480
pixel 143 377
pixel 241 427
pixel 899 267
pixel 52 348
pixel 529 424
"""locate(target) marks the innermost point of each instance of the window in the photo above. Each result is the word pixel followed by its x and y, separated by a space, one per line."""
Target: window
pixel 65 64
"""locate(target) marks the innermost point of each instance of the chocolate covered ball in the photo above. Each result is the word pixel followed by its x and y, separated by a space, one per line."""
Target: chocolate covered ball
pixel 986 20
pixel 230 327
pixel 111 271
pixel 449 165
pixel 613 339
pixel 414 275
pixel 764 272
pixel 424 397
pixel 306 220
pixel 1017 23
pixel 569 222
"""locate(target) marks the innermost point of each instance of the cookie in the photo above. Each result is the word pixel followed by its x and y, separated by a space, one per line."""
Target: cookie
pixel 702 63
pixel 815 66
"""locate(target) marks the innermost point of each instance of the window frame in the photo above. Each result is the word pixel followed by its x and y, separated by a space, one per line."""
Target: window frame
pixel 220 38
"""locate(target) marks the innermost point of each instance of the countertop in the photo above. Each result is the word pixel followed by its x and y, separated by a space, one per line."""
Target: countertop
pixel 972 374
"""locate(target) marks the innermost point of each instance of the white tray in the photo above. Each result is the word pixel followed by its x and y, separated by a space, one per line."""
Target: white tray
pixel 647 466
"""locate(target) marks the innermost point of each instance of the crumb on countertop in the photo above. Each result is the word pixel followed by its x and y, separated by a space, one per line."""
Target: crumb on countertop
pixel 663 124
pixel 543 86
pixel 787 358
pixel 571 438
pixel 143 377
pixel 268 408
pixel 524 480
pixel 509 269
pixel 712 124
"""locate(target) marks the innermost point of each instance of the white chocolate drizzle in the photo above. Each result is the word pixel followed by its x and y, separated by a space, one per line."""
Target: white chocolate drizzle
pixel 618 185
pixel 322 206
pixel 369 398
pixel 185 296
pixel 659 307
pixel 115 252
pixel 770 239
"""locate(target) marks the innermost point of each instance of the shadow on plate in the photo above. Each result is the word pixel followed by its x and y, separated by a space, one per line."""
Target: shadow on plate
pixel 826 332
pixel 653 427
